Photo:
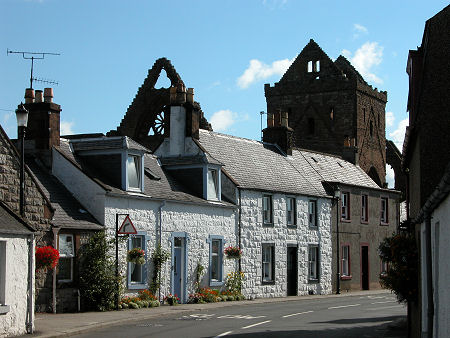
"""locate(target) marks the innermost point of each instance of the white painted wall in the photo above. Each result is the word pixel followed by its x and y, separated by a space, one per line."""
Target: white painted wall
pixel 440 237
pixel 14 322
pixel 254 234
pixel 84 189
pixel 198 221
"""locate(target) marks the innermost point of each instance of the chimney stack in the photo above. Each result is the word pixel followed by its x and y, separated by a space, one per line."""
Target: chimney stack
pixel 278 131
pixel 48 95
pixel 39 96
pixel 350 151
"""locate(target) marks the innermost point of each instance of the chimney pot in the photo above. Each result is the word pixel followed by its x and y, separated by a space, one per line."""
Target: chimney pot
pixel 269 120
pixel 39 96
pixel 48 94
pixel 284 119
pixel 29 95
pixel 346 141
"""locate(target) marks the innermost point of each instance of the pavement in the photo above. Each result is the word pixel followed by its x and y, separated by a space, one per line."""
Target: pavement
pixel 66 324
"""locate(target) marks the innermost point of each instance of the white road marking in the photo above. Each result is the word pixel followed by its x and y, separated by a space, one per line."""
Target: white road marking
pixel 240 317
pixel 295 314
pixel 387 301
pixel 200 315
pixel 249 326
pixel 342 306
pixel 224 334
pixel 385 307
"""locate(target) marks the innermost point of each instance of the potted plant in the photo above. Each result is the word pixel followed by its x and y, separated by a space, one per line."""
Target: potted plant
pixel 136 256
pixel 233 252
pixel 46 258
pixel 171 299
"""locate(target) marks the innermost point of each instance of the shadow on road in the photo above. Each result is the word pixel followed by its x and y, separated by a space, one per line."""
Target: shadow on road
pixel 360 320
pixel 395 329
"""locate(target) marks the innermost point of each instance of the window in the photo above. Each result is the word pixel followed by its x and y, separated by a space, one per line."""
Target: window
pixel 3 308
pixel 311 126
pixel 331 113
pixel 364 208
pixel 345 206
pixel 345 261
pixel 371 128
pixel 291 211
pixel 267 209
pixel 310 66
pixel 317 66
pixel 66 253
pixel 384 268
pixel 137 273
pixel 312 213
pixel 212 193
pixel 215 260
pixel 384 210
pixel 134 172
pixel 268 263
pixel 313 262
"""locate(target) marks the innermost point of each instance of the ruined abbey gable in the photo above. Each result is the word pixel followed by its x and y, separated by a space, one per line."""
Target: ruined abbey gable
pixel 147 119
pixel 328 104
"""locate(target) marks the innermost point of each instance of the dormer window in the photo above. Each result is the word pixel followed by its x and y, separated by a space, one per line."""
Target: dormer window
pixel 134 172
pixel 212 185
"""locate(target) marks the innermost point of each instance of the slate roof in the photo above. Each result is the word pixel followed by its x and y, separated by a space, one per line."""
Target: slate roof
pixel 158 183
pixel 257 166
pixel 69 213
pixel 106 143
pixel 10 223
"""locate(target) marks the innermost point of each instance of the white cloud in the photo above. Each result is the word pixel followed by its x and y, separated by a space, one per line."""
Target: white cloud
pixel 222 120
pixel 398 135
pixel 360 28
pixel 390 118
pixel 365 58
pixel 390 176
pixel 258 70
pixel 66 128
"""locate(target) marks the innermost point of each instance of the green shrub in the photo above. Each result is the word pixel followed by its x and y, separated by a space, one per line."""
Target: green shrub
pixel 98 283
pixel 154 303
pixel 133 305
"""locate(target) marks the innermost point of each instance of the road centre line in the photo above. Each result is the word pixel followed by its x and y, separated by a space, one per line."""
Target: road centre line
pixel 295 314
pixel 223 334
pixel 256 324
pixel 388 301
pixel 384 307
pixel 342 306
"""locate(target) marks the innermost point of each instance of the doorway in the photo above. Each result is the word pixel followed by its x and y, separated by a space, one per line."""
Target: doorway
pixel 292 270
pixel 179 256
pixel 364 267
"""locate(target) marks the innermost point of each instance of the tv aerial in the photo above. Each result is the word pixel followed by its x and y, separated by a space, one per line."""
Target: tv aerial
pixel 34 56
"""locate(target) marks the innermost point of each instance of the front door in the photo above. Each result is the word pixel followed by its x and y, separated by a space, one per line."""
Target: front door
pixel 364 267
pixel 292 271
pixel 177 266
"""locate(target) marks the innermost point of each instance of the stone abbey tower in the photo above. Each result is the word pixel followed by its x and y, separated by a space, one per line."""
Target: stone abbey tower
pixel 332 109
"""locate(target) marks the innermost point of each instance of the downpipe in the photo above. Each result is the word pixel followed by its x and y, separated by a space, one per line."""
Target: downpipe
pixel 29 323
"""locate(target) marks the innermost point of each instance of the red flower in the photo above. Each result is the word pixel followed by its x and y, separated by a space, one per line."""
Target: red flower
pixel 46 257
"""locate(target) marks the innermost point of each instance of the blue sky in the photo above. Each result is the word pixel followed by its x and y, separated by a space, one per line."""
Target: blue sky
pixel 225 50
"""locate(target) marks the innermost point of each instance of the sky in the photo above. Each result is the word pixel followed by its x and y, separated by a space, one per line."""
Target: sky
pixel 225 50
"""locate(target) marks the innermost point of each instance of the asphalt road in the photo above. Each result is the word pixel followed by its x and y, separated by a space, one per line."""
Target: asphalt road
pixel 353 316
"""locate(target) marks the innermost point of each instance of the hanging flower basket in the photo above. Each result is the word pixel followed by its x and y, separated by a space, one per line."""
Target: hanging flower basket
pixel 136 256
pixel 46 258
pixel 233 252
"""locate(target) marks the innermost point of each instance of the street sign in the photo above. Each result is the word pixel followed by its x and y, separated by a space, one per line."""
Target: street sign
pixel 127 227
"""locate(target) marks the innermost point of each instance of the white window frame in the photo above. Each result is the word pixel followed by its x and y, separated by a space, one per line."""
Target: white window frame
pixel 384 267
pixel 312 213
pixel 384 210
pixel 143 284
pixel 364 208
pixel 138 161
pixel 345 268
pixel 212 181
pixel 291 211
pixel 69 255
pixel 216 281
pixel 345 206
pixel 268 263
pixel 267 209
pixel 313 262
